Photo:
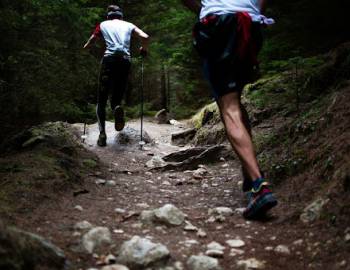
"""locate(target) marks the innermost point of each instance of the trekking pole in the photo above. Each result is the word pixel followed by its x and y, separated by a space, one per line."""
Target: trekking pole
pixel 142 143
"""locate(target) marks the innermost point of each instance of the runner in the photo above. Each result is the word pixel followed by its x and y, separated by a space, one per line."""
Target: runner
pixel 228 39
pixel 115 65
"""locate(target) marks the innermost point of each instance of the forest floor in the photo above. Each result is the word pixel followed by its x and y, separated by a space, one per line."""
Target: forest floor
pixel 137 188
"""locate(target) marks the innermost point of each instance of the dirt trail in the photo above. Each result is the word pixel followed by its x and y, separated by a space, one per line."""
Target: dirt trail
pixel 138 189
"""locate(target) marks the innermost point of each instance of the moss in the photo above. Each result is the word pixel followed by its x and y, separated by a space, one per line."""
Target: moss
pixel 90 163
pixel 197 119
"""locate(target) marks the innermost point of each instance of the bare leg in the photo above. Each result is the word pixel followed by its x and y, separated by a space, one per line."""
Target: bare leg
pixel 238 134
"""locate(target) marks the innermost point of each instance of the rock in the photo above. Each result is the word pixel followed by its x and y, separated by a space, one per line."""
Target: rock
pixel 214 253
pixel 201 233
pixel 282 249
pixel 215 246
pixel 169 215
pixel 347 237
pixel 115 267
pixel 313 211
pixel 111 183
pixel 199 173
pixel 184 136
pixel 110 259
pixel 184 154
pixel 155 162
pixel 235 243
pixel 239 211
pixel 147 217
pixel 202 262
pixel 162 117
pixel 120 210
pixel 141 253
pixel 95 238
pixel 250 264
pixel 209 155
pixel 298 242
pixel 234 252
pixel 222 211
pixel 130 136
pixel 190 227
pixel 83 225
pixel 79 208
pixel 100 182
pixel 19 250
pixel 268 248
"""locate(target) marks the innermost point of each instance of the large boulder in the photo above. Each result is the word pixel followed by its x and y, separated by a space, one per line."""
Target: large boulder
pixel 140 253
pixel 21 250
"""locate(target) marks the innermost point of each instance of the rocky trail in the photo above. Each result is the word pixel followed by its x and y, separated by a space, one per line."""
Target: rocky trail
pixel 130 216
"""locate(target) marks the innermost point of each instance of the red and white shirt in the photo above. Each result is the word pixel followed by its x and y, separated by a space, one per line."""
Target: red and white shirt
pixel 117 35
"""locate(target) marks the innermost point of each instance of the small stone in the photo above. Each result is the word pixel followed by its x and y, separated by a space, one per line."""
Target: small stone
pixel 342 263
pixel 224 165
pixel 249 264
pixel 298 242
pixel 347 237
pixel 115 267
pixel 234 252
pixel 223 211
pixel 148 173
pixel 201 233
pixel 215 253
pixel 239 211
pixel 79 208
pixel 215 246
pixel 268 248
pixel 191 242
pixel 166 183
pixel 95 238
pixel 111 183
pixel 190 227
pixel 235 243
pixel 142 205
pixel 156 161
pixel 118 231
pixel 273 238
pixel 83 225
pixel 202 262
pixel 120 210
pixel 100 181
pixel 110 259
pixel 282 249
pixel 141 253
pixel 170 215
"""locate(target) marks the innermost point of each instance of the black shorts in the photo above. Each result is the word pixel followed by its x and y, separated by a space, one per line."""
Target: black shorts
pixel 216 43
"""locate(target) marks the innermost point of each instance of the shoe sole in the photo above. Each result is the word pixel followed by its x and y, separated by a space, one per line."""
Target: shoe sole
pixel 119 123
pixel 262 208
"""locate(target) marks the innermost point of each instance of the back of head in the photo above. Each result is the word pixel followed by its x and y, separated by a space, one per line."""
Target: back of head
pixel 114 12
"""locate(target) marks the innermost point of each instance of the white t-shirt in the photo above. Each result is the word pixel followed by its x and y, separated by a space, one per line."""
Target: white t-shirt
pixel 117 35
pixel 220 7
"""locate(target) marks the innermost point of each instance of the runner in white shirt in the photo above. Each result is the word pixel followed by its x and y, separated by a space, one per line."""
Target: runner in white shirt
pixel 115 65
pixel 228 39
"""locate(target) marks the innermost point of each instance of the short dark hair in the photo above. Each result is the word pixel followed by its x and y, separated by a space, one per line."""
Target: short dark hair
pixel 113 8
pixel 114 12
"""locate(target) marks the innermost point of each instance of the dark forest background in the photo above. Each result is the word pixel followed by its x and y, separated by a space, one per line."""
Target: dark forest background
pixel 45 75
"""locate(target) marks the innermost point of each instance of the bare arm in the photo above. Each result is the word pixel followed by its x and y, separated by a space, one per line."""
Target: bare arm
pixel 144 38
pixel 192 5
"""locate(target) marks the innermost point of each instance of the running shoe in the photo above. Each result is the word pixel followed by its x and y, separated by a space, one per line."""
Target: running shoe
pixel 119 118
pixel 261 200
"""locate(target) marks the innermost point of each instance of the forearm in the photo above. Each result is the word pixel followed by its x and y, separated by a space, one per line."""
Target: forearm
pixel 192 5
